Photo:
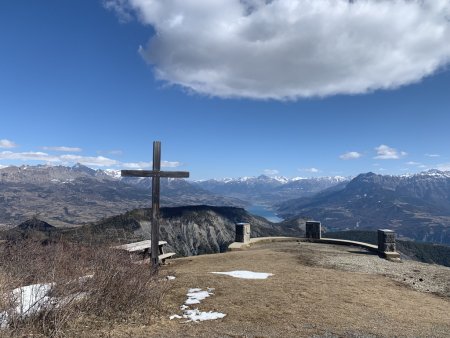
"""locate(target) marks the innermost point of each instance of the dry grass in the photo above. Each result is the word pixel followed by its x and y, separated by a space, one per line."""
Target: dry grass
pixel 304 298
pixel 111 289
pixel 301 299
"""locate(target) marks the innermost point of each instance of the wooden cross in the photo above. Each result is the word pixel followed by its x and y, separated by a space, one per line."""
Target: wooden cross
pixel 155 174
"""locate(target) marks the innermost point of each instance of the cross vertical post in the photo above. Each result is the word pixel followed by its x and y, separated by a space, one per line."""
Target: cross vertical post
pixel 155 174
pixel 155 204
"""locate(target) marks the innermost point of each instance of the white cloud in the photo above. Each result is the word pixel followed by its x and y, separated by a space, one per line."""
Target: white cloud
pixel 432 155
pixel 310 170
pixel 168 164
pixel 68 159
pixel 28 156
pixel 287 49
pixel 7 144
pixel 64 149
pixel 385 152
pixel 137 165
pixel 351 155
pixel 413 163
pixel 121 7
pixel 97 161
pixel 145 165
pixel 271 172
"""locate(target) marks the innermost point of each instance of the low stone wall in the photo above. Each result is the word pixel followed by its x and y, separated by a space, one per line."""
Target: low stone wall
pixel 385 248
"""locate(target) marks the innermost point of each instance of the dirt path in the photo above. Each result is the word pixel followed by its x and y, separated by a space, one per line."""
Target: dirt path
pixel 306 297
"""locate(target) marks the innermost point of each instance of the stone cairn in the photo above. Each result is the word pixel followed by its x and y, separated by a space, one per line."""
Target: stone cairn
pixel 386 244
pixel 242 232
pixel 313 230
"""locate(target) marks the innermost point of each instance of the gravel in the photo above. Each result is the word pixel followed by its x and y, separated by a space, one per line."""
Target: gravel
pixel 422 277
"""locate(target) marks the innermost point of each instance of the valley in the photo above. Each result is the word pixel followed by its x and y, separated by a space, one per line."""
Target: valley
pixel 416 206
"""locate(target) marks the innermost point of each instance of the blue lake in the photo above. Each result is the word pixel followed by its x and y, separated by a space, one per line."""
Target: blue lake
pixel 261 210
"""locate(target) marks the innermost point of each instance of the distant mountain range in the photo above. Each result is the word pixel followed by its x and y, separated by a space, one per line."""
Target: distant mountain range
pixel 416 206
pixel 66 196
pixel 267 190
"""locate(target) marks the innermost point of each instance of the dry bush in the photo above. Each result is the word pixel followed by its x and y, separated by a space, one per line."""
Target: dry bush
pixel 97 283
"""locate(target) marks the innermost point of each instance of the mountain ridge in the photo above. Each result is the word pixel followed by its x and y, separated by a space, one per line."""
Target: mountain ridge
pixel 68 196
pixel 416 206
pixel 189 230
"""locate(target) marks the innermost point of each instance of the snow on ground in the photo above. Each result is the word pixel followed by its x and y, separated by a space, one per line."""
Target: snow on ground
pixel 196 315
pixel 170 277
pixel 29 300
pixel 33 298
pixel 195 296
pixel 245 274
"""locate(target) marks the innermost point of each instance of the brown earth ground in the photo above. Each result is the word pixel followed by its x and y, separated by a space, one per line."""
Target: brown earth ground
pixel 313 293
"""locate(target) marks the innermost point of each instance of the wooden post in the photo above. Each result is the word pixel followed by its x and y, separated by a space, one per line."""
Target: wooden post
pixel 155 205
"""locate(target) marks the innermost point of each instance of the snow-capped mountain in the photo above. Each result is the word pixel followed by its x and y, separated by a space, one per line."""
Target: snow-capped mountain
pixel 74 195
pixel 417 206
pixel 269 189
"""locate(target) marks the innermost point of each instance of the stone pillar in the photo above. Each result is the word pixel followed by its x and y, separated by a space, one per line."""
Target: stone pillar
pixel 242 232
pixel 313 230
pixel 386 240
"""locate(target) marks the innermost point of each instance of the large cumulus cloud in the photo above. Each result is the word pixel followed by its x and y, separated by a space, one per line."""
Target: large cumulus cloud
pixel 287 49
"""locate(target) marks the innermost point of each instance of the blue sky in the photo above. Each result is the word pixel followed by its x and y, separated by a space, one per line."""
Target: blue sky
pixel 80 82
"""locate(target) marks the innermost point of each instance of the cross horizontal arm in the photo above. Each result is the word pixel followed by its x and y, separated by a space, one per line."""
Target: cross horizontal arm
pixel 153 173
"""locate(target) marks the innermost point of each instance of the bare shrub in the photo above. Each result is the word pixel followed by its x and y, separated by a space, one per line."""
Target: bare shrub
pixel 98 283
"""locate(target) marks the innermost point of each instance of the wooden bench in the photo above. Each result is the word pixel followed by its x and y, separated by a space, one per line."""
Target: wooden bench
pixel 144 247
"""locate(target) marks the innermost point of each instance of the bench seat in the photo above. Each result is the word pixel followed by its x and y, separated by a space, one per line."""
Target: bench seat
pixel 138 246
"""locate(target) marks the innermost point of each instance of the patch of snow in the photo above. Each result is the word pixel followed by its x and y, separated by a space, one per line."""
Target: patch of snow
pixel 245 274
pixel 29 300
pixel 33 298
pixel 294 179
pixel 113 173
pixel 281 179
pixel 170 277
pixel 196 315
pixel 3 320
pixel 196 295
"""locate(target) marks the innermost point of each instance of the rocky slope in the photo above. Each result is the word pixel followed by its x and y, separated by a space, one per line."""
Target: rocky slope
pixel 190 230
